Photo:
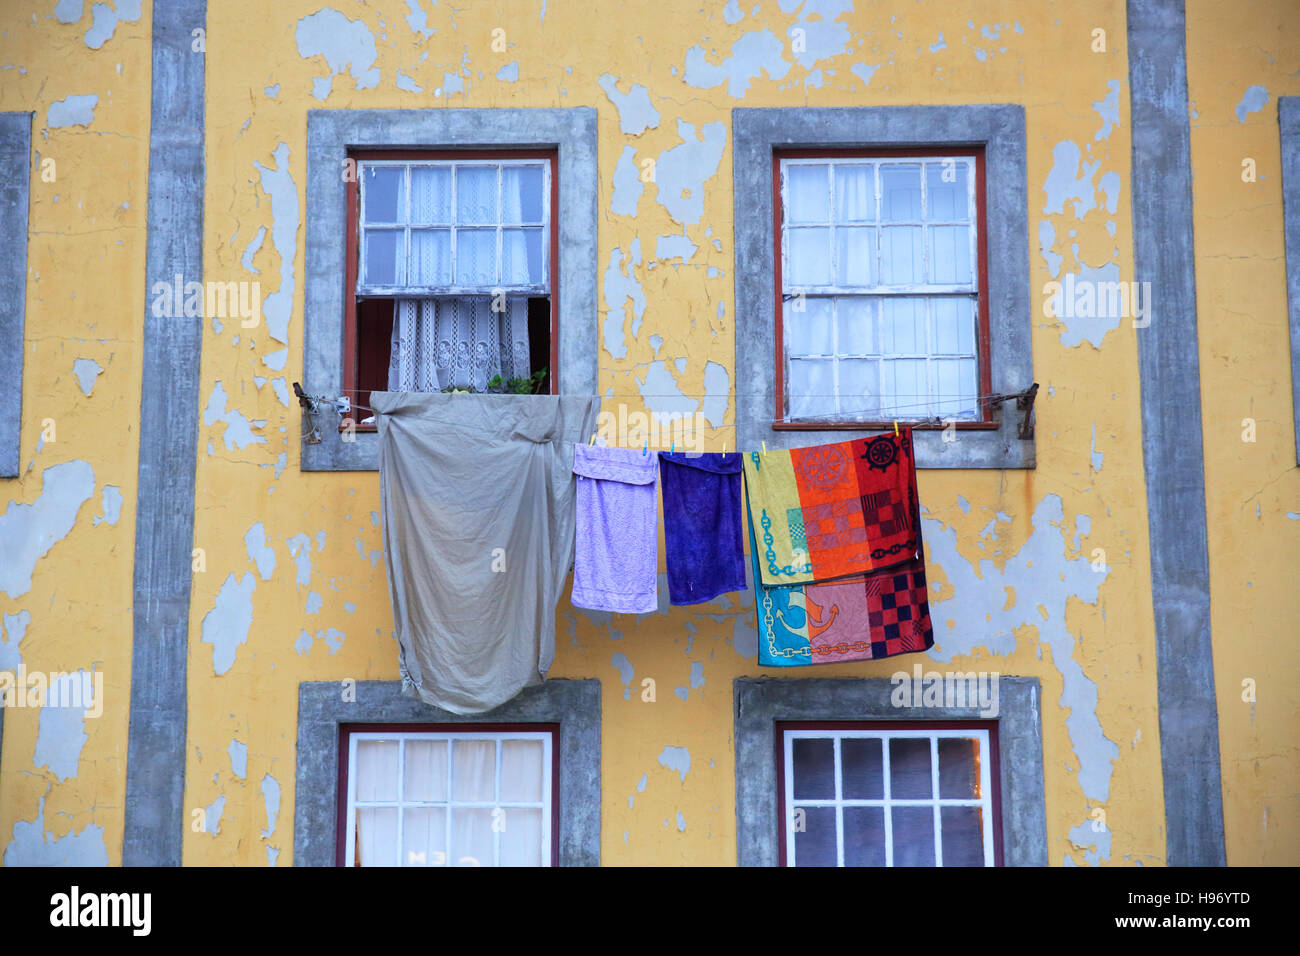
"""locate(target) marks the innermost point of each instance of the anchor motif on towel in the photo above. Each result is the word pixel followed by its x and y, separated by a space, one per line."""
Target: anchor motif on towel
pixel 799 600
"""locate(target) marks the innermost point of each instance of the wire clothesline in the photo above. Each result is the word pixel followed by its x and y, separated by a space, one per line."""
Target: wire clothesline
pixel 857 413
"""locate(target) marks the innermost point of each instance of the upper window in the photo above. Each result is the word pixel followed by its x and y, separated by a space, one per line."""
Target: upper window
pixel 449 798
pixel 887 795
pixel 881 315
pixel 451 272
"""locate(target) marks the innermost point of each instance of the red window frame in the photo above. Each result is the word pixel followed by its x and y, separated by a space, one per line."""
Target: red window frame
pixel 345 738
pixel 995 776
pixel 351 354
pixel 985 377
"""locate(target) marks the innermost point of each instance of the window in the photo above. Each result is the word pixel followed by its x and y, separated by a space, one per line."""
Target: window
pixel 348 329
pixel 882 263
pixel 880 256
pixel 439 797
pixel 888 794
pixel 453 265
pixel 878 782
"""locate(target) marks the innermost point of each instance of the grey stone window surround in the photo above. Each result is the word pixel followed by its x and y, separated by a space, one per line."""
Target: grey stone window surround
pixel 15 186
pixel 1001 131
pixel 761 702
pixel 331 133
pixel 1288 119
pixel 573 704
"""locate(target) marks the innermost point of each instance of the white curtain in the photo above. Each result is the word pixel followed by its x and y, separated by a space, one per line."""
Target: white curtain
pixel 438 343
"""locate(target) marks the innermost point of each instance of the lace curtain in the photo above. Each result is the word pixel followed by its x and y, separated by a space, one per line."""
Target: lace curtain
pixel 439 343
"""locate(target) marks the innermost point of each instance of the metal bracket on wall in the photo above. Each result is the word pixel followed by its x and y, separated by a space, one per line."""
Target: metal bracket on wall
pixel 1025 405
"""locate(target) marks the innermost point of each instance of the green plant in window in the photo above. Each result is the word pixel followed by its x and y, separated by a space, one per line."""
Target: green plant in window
pixel 518 386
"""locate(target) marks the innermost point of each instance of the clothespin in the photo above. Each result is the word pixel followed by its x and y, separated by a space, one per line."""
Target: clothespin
pixel 724 449
pixel 764 448
pixel 895 428
pixel 645 451
pixel 674 448
pixel 593 439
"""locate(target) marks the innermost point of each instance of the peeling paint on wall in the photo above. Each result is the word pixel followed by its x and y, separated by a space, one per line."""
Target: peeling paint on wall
pixel 32 845
pixel 677 759
pixel 347 46
pixel 72 111
pixel 28 532
pixel 226 626
pixel 681 172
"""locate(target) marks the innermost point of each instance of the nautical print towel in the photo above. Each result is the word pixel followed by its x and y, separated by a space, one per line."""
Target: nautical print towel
pixel 833 510
pixel 702 517
pixel 863 617
pixel 616 550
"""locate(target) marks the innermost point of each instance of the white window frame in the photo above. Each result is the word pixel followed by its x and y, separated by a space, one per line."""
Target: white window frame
pixel 401 803
pixel 985 801
pixel 542 288
pixel 878 291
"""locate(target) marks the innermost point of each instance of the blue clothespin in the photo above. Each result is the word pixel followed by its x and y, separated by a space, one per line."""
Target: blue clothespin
pixel 674 448
pixel 645 451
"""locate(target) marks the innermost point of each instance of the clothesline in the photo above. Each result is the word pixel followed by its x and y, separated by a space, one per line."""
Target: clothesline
pixel 857 413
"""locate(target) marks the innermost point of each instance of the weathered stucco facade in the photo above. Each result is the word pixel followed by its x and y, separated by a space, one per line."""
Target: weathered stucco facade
pixel 161 530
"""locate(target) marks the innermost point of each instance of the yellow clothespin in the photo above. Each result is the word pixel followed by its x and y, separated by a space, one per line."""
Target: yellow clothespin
pixel 895 428
pixel 764 448
pixel 724 449
pixel 593 439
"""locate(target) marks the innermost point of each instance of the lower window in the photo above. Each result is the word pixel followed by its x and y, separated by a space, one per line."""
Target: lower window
pixel 442 796
pixel 888 794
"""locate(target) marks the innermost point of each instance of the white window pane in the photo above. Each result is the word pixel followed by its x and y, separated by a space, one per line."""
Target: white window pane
pixel 862 770
pixel 431 194
pixel 959 769
pixel 856 253
pixel 376 770
pixel 521 194
pixel 808 193
pixel 855 193
pixel 864 835
pixel 384 257
pixel 900 193
pixel 814 768
pixel 521 840
pixel 948 393
pixel 812 387
pixel 905 397
pixel 810 331
pixel 815 844
pixel 808 257
pixel 859 387
pixel 947 192
pixel 909 768
pixel 473 770
pixel 900 256
pixel 954 325
pixel 471 838
pixel 424 836
pixel 855 320
pixel 969 385
pixel 476 194
pixel 384 188
pixel 902 326
pixel 521 771
pixel 476 257
pixel 430 256
pixel 914 833
pixel 949 255
pixel 425 776
pixel 521 257
pixel 377 836
pixel 963 835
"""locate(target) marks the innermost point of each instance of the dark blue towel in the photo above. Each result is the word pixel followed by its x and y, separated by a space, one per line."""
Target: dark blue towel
pixel 702 533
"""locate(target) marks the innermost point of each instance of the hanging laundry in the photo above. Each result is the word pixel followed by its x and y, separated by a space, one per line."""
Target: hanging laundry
pixel 702 533
pixel 831 510
pixel 862 617
pixel 477 495
pixel 616 554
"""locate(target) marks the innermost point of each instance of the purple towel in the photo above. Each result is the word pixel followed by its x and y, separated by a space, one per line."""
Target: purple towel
pixel 616 552
pixel 702 534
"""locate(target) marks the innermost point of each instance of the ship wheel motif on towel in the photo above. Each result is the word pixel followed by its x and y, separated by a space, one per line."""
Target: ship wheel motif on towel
pixel 881 453
pixel 824 467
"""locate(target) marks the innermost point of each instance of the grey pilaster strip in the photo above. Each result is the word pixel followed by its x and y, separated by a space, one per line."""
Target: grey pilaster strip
pixel 1171 434
pixel 15 175
pixel 169 403
pixel 1288 119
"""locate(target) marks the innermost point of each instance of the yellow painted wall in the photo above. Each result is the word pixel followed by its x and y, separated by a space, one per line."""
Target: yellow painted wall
pixel 1011 596
pixel 1252 488
pixel 85 300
